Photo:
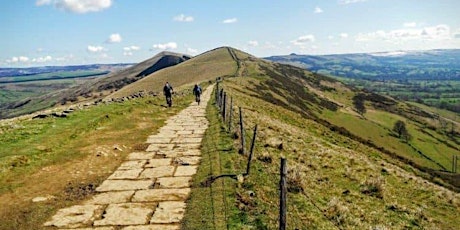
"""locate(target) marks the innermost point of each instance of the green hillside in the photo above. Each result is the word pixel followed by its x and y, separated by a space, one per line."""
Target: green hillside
pixel 345 170
pixel 347 167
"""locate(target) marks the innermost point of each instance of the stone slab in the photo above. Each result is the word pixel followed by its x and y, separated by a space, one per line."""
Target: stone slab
pixel 184 140
pixel 159 147
pixel 173 127
pixel 96 228
pixel 187 146
pixel 162 171
pixel 188 170
pixel 188 160
pixel 140 155
pixel 126 214
pixel 168 212
pixel 136 164
pixel 159 140
pixel 111 197
pixel 153 227
pixel 184 132
pixel 174 182
pixel 153 163
pixel 75 216
pixel 155 195
pixel 120 185
pixel 181 153
pixel 125 174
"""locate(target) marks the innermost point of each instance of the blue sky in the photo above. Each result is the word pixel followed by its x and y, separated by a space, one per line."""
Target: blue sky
pixel 72 32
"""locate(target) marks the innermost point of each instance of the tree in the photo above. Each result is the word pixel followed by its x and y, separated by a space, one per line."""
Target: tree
pixel 400 129
pixel 358 102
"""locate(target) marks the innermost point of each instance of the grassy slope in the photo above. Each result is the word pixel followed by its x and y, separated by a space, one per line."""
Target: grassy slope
pixel 342 183
pixel 207 66
pixel 335 181
pixel 69 157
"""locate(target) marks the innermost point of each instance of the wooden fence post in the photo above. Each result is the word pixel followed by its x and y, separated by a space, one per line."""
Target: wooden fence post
pixel 251 152
pixel 217 93
pixel 221 95
pixel 456 163
pixel 283 194
pixel 230 115
pixel 454 157
pixel 224 107
pixel 242 131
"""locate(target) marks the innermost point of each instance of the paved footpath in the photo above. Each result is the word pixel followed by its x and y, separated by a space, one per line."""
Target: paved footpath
pixel 149 190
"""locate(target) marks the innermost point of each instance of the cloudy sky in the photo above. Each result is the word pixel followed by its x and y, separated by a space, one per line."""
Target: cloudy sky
pixel 69 32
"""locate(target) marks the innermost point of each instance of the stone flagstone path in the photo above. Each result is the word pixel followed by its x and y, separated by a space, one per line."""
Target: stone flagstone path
pixel 148 191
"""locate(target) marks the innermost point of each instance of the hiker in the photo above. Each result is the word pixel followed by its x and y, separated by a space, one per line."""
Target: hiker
pixel 168 91
pixel 197 93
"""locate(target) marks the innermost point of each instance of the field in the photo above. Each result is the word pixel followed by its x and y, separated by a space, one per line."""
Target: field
pixel 444 94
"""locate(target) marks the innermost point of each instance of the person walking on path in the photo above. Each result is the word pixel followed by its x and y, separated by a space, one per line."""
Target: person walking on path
pixel 168 91
pixel 197 93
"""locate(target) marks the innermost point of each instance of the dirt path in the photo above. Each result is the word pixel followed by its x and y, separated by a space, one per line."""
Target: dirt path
pixel 149 190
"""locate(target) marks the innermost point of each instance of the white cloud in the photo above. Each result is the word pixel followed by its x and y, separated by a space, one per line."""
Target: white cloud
pixel 128 50
pixel 318 10
pixel 253 43
pixel 18 59
pixel 303 40
pixel 346 2
pixel 131 48
pixel 183 18
pixel 230 20
pixel 65 58
pixel 114 38
pixel 410 24
pixel 438 32
pixel 192 51
pixel 165 46
pixel 42 59
pixel 343 35
pixel 95 49
pixel 42 2
pixel 23 59
pixel 330 37
pixel 77 6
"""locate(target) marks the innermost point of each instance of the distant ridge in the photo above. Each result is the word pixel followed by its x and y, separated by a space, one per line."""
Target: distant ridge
pixel 95 88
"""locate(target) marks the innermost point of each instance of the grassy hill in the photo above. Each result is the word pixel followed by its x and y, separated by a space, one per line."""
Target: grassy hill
pixel 93 89
pixel 204 67
pixel 430 77
pixel 347 168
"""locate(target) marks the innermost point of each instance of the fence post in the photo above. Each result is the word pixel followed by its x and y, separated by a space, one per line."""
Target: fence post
pixel 454 163
pixel 230 115
pixel 242 131
pixel 456 159
pixel 224 107
pixel 283 194
pixel 248 168
pixel 221 97
pixel 217 93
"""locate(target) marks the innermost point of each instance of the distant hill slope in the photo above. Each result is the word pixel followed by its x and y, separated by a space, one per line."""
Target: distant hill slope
pixel 347 167
pixel 207 66
pixel 430 64
pixel 94 88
